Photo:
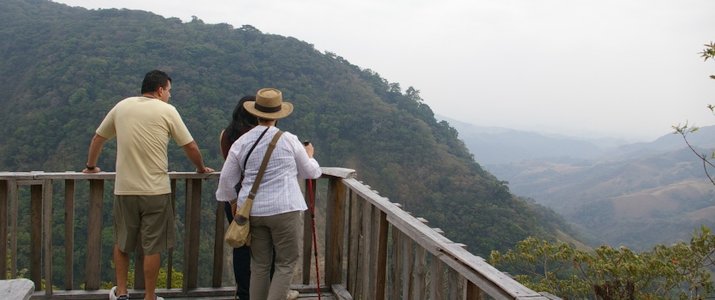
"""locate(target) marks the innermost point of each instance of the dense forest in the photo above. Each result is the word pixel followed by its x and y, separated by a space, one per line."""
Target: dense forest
pixel 63 68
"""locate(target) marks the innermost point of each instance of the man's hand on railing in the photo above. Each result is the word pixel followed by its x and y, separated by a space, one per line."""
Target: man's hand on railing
pixel 205 170
pixel 89 169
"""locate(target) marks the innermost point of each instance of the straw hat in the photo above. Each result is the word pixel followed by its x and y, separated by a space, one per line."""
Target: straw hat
pixel 269 105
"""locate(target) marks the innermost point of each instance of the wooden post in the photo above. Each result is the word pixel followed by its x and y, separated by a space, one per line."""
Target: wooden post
pixel 473 292
pixel 3 227
pixel 418 283
pixel 453 283
pixel 335 234
pixel 47 234
pixel 353 242
pixel 12 197
pixel 396 259
pixel 94 237
pixel 436 279
pixel 218 245
pixel 307 238
pixel 407 268
pixel 364 249
pixel 36 235
pixel 192 241
pixel 69 234
pixel 170 252
pixel 381 276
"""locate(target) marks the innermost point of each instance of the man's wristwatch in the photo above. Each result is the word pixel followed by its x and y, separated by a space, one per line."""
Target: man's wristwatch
pixel 90 167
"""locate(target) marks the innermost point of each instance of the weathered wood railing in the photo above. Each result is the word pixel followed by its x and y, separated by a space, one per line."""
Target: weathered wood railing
pixel 372 248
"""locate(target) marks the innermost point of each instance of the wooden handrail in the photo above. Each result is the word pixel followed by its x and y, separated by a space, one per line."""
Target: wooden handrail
pixel 372 248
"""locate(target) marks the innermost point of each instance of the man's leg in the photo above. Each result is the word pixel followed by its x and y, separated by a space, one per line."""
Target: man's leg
pixel 151 274
pixel 157 235
pixel 121 270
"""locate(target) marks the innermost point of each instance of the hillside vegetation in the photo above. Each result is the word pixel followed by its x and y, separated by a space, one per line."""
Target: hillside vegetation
pixel 63 68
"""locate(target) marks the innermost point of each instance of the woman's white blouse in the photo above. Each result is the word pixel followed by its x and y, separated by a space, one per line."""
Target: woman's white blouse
pixel 279 191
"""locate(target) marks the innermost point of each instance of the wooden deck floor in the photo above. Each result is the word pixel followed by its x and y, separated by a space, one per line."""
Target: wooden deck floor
pixel 307 296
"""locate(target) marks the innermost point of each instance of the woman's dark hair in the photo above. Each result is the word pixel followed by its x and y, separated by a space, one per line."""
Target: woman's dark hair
pixel 241 121
pixel 153 80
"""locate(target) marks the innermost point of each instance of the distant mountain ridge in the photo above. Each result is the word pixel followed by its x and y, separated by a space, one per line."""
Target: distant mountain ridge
pixel 494 145
pixel 636 195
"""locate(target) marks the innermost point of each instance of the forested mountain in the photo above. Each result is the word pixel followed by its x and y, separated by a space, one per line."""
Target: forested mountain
pixel 63 68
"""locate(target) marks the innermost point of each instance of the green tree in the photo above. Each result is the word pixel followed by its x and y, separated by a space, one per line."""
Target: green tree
pixel 679 271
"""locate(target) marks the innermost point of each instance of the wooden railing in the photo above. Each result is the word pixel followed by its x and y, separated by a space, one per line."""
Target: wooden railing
pixel 370 248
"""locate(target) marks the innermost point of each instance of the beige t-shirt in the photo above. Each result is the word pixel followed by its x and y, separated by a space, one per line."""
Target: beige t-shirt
pixel 143 126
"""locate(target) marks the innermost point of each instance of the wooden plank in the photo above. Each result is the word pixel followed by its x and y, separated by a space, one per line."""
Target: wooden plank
pixel 198 293
pixel 340 292
pixel 14 176
pixel 338 172
pixel 307 238
pixel 353 242
pixel 101 175
pixel 94 237
pixel 193 223
pixel 12 195
pixel 29 182
pixel 72 175
pixel 381 276
pixel 436 279
pixel 473 292
pixel 373 252
pixel 407 268
pixel 3 227
pixel 396 262
pixel 365 253
pixel 418 275
pixel 69 233
pixel 453 283
pixel 193 175
pixel 335 234
pixel 36 236
pixel 170 252
pixel 217 276
pixel 47 234
pixel 359 249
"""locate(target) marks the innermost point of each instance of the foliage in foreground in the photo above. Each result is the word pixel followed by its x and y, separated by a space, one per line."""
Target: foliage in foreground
pixel 679 271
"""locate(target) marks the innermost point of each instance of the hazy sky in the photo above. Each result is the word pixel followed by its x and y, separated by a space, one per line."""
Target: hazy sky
pixel 591 68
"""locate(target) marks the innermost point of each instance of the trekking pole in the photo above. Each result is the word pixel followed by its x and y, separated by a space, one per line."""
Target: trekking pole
pixel 311 197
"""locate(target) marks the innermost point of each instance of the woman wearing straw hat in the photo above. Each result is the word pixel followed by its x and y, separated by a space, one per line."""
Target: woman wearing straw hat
pixel 277 206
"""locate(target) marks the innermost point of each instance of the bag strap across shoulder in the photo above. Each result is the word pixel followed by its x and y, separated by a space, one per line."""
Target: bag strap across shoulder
pixel 251 150
pixel 264 163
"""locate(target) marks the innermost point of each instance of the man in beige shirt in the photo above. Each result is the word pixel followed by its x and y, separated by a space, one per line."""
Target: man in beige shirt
pixel 142 204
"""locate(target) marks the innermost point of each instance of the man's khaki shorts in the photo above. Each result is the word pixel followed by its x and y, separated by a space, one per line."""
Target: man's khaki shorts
pixel 149 219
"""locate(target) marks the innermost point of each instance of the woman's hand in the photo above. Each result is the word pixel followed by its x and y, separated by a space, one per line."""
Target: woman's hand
pixel 309 149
